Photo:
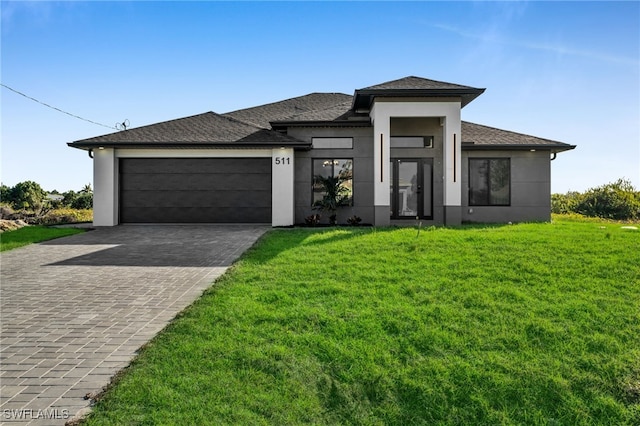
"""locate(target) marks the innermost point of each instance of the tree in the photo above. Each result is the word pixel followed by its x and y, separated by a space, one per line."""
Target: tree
pixel 84 200
pixel 617 200
pixel 27 195
pixel 5 194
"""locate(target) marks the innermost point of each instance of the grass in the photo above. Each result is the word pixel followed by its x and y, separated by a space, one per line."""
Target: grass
pixel 484 325
pixel 32 234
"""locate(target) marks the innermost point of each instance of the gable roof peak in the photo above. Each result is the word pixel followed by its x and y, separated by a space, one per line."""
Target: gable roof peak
pixel 415 83
pixel 413 86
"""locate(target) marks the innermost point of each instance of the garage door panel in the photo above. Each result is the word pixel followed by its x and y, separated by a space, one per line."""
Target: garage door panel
pixel 159 199
pixel 195 165
pixel 195 182
pixel 197 215
pixel 196 190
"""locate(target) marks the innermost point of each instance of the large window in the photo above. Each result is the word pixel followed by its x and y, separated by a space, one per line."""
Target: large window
pixel 489 182
pixel 341 170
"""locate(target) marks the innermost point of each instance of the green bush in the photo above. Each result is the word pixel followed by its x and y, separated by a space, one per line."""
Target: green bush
pixel 618 200
pixel 66 215
pixel 565 203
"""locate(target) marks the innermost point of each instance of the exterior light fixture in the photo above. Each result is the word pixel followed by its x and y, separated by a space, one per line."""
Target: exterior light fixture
pixel 101 147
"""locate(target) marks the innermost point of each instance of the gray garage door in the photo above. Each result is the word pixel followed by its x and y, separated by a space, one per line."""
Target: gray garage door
pixel 195 190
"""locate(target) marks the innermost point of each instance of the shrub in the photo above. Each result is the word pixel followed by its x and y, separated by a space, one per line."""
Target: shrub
pixel 66 215
pixel 565 203
pixel 83 201
pixel 618 200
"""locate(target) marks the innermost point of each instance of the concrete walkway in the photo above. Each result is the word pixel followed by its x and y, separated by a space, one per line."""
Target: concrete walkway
pixel 75 310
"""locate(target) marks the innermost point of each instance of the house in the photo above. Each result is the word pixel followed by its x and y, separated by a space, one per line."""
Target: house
pixel 400 148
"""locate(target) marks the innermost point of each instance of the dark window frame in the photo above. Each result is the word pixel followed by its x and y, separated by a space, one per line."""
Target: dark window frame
pixel 488 202
pixel 333 165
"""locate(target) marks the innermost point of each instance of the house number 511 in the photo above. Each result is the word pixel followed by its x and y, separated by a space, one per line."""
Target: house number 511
pixel 283 160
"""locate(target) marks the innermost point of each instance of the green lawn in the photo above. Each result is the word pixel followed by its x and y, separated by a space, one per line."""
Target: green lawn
pixel 522 324
pixel 32 234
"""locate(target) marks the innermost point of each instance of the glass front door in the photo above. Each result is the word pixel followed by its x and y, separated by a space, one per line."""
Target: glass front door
pixel 411 188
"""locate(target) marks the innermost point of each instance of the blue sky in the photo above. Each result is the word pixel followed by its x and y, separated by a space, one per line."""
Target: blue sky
pixel 564 71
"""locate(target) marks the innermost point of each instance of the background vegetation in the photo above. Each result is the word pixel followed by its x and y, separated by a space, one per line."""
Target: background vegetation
pixel 618 200
pixel 28 202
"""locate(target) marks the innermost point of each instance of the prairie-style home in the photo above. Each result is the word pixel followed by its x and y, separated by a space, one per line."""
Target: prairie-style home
pixel 400 149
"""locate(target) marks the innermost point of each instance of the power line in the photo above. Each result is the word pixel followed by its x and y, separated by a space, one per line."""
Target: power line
pixel 57 109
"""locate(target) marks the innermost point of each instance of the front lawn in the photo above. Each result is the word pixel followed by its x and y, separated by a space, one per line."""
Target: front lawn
pixel 521 324
pixel 32 234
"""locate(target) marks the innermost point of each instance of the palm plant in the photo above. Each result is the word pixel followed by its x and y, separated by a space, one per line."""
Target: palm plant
pixel 335 194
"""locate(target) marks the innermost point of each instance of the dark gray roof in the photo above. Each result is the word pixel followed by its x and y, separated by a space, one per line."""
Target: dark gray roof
pixel 254 127
pixel 414 87
pixel 477 136
pixel 415 83
pixel 208 129
pixel 316 105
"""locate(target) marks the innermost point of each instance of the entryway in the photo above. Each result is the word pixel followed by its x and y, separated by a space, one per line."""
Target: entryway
pixel 411 188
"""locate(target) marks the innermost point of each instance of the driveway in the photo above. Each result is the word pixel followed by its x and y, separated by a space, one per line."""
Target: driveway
pixel 75 310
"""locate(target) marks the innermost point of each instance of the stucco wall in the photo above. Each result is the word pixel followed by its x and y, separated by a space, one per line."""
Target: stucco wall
pixel 530 188
pixel 362 155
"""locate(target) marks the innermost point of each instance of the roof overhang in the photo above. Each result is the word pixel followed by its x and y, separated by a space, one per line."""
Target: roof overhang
pixel 363 98
pixel 281 125
pixel 191 145
pixel 470 146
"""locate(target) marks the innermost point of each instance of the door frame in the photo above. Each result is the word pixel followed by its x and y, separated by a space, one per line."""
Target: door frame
pixel 395 199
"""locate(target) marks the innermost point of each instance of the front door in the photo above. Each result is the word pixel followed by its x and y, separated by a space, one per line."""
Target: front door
pixel 411 188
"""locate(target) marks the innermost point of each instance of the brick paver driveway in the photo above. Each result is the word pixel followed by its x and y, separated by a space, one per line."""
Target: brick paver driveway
pixel 75 310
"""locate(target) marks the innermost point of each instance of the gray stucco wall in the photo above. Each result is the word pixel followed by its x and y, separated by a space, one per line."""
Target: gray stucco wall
pixel 362 155
pixel 530 188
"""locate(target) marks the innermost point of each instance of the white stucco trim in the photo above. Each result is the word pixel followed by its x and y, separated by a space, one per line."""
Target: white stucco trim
pixel 282 187
pixel 106 175
pixel 105 187
pixel 192 153
pixel 449 111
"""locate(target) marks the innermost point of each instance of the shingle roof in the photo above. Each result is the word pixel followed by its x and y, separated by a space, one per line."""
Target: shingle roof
pixel 414 86
pixel 312 105
pixel 252 127
pixel 477 136
pixel 415 83
pixel 209 129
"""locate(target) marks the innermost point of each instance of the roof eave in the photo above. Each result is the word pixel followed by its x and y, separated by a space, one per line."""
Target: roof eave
pixel 470 146
pixel 364 97
pixel 194 145
pixel 320 123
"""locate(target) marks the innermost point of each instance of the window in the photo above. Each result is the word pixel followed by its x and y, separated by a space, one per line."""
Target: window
pixel 489 181
pixel 341 169
pixel 332 143
pixel 411 141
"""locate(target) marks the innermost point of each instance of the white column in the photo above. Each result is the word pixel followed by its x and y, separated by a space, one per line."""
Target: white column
pixel 452 153
pixel 282 187
pixel 381 114
pixel 381 157
pixel 105 187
